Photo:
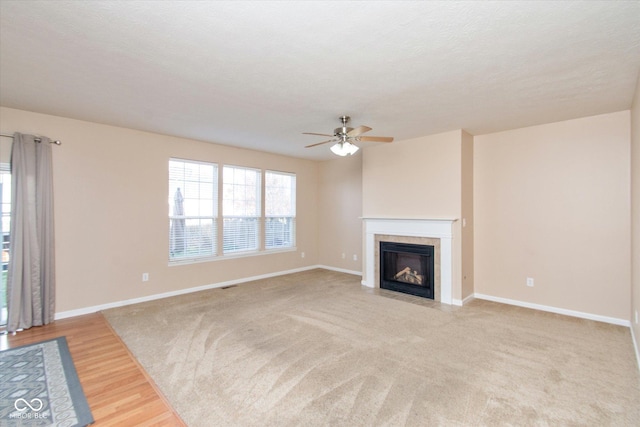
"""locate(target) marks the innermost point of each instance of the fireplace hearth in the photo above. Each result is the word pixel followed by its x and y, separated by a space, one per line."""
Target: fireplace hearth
pixel 407 268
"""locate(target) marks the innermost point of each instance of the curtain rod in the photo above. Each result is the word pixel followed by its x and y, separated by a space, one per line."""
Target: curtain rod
pixel 36 139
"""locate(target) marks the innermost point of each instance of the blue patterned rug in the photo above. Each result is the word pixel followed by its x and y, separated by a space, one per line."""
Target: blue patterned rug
pixel 39 387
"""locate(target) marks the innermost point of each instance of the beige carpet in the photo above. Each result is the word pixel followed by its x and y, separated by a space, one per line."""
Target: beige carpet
pixel 315 348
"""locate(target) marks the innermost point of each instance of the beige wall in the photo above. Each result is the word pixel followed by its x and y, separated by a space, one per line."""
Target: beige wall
pixel 635 213
pixel 551 202
pixel 339 212
pixel 466 198
pixel 5 149
pixel 413 178
pixel 419 178
pixel 111 210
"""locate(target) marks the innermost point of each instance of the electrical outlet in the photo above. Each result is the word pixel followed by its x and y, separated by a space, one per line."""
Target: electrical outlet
pixel 344 255
pixel 530 281
pixel 355 257
pixel 302 254
pixel 145 277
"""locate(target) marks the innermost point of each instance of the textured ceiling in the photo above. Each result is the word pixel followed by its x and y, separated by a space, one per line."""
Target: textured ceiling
pixel 258 74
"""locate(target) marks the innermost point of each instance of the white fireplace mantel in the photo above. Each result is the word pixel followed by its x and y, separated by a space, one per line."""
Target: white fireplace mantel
pixel 414 227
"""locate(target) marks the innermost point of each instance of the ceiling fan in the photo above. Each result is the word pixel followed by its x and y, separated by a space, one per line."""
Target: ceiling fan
pixel 344 138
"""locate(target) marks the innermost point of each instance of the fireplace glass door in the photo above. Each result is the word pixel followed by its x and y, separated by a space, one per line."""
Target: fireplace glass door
pixel 407 268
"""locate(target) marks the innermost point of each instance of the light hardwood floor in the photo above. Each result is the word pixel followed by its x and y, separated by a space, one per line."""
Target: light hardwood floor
pixel 118 390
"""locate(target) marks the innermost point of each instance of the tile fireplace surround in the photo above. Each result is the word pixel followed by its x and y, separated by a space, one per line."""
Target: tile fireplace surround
pixel 436 232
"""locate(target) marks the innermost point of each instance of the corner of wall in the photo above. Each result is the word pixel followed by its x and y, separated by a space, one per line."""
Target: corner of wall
pixel 339 211
pixel 635 218
pixel 467 214
pixel 538 206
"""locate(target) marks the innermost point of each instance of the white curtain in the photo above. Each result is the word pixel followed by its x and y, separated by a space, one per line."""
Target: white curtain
pixel 31 272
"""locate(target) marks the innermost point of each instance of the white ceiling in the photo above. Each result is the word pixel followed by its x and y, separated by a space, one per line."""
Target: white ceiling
pixel 258 74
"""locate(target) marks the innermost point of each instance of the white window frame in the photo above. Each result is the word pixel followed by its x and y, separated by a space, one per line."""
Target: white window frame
pixel 199 220
pixel 257 218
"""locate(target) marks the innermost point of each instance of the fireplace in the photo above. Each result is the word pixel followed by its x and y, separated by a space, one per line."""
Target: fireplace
pixel 438 233
pixel 407 268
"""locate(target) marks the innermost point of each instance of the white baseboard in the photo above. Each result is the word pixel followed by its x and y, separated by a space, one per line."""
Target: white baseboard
pixel 96 308
pixel 468 299
pixel 340 270
pixel 461 302
pixel 580 314
pixel 635 347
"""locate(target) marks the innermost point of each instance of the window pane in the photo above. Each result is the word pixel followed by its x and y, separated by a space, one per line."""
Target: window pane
pixel 191 189
pixel 279 232
pixel 206 190
pixel 176 170
pixel 5 228
pixel 241 191
pixel 241 208
pixel 192 238
pixel 280 209
pixel 206 208
pixel 193 209
pixel 206 173
pixel 240 234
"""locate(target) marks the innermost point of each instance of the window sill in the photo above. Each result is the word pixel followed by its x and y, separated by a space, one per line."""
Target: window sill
pixel 233 255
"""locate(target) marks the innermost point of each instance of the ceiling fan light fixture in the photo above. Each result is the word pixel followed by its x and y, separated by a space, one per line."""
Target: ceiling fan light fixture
pixel 344 148
pixel 343 136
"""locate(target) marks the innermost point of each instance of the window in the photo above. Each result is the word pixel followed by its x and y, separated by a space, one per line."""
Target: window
pixel 193 209
pixel 5 228
pixel 241 209
pixel 280 210
pixel 256 216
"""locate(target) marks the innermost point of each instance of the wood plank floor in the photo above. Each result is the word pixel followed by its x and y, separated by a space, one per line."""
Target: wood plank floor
pixel 118 390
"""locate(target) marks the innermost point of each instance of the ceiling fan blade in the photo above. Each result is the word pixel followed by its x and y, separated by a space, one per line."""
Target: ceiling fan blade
pixel 358 131
pixel 319 143
pixel 311 133
pixel 376 138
